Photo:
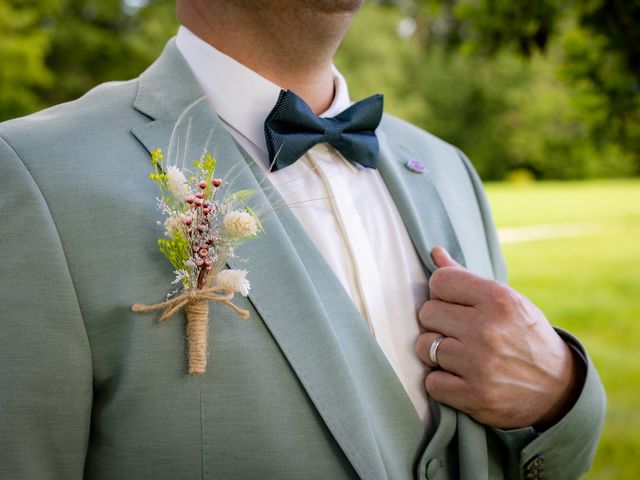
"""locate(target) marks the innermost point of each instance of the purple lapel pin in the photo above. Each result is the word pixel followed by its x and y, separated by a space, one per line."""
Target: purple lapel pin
pixel 415 166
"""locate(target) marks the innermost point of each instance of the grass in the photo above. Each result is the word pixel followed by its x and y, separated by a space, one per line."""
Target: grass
pixel 589 285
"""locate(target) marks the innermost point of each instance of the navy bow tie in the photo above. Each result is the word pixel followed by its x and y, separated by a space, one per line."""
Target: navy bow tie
pixel 292 128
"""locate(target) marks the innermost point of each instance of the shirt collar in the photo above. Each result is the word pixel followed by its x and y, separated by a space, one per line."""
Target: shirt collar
pixel 240 96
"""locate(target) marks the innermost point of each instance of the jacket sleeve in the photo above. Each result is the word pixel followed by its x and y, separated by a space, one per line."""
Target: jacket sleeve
pixel 45 373
pixel 566 450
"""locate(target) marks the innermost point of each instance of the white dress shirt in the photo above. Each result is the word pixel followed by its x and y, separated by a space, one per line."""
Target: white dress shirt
pixel 346 210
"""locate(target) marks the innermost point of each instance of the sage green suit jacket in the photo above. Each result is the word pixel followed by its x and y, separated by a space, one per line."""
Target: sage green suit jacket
pixel 90 390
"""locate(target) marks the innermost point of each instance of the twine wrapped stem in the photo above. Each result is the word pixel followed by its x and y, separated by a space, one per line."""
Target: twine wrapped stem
pixel 197 333
pixel 196 304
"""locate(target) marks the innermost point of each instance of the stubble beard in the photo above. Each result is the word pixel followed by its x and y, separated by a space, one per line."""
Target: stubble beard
pixel 319 6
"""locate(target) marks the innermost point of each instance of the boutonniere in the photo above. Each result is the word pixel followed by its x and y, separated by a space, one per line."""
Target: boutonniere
pixel 203 223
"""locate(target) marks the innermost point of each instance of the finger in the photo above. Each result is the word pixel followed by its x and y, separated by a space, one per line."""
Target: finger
pixel 442 258
pixel 450 319
pixel 450 353
pixel 456 285
pixel 449 389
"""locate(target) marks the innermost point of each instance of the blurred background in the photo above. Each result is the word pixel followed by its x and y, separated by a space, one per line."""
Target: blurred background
pixel 543 96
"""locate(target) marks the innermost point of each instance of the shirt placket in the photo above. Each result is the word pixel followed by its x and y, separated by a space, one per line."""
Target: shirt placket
pixel 335 174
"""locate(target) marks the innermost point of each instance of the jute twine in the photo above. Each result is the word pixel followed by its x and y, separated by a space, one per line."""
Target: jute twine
pixel 197 333
pixel 196 304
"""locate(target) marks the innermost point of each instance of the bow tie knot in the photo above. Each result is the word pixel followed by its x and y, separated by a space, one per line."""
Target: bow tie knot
pixel 332 130
pixel 292 128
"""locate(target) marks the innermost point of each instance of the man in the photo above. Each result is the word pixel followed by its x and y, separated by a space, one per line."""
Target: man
pixel 327 377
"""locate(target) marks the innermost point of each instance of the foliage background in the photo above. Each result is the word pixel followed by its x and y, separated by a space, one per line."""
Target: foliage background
pixel 547 89
pixel 529 90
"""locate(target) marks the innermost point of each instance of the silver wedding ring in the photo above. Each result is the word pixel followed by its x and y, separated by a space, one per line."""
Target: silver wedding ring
pixel 433 351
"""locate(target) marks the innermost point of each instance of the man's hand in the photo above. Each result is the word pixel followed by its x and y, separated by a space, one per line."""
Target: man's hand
pixel 501 361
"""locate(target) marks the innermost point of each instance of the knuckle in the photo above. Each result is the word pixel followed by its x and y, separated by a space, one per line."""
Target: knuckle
pixel 439 277
pixel 505 299
pixel 493 336
pixel 485 334
pixel 431 384
pixel 434 280
pixel 425 311
pixel 422 345
pixel 502 299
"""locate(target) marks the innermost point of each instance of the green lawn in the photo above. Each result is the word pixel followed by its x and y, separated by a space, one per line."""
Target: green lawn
pixel 588 284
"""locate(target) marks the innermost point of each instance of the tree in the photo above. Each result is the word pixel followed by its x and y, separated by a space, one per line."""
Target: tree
pixel 599 39
pixel 55 51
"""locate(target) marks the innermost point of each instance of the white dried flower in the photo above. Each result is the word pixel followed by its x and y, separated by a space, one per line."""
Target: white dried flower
pixel 173 224
pixel 180 275
pixel 177 183
pixel 240 224
pixel 234 280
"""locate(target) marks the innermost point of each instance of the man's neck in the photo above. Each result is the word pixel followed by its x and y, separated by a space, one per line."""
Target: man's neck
pixel 292 47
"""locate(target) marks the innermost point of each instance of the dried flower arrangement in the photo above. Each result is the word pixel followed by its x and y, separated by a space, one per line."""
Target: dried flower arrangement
pixel 202 227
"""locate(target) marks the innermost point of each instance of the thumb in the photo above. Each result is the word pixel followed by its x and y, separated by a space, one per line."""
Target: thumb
pixel 442 258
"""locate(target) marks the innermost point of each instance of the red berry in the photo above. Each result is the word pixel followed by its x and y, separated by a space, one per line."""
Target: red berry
pixel 205 203
pixel 199 195
pixel 197 202
pixel 199 261
pixel 206 210
pixel 188 220
pixel 202 184
pixel 216 182
pixel 203 252
pixel 190 199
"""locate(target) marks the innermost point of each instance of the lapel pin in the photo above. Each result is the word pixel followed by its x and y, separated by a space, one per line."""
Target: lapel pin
pixel 415 166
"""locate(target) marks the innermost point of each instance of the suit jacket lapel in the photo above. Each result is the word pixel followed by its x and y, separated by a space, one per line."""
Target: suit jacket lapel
pixel 282 291
pixel 418 202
